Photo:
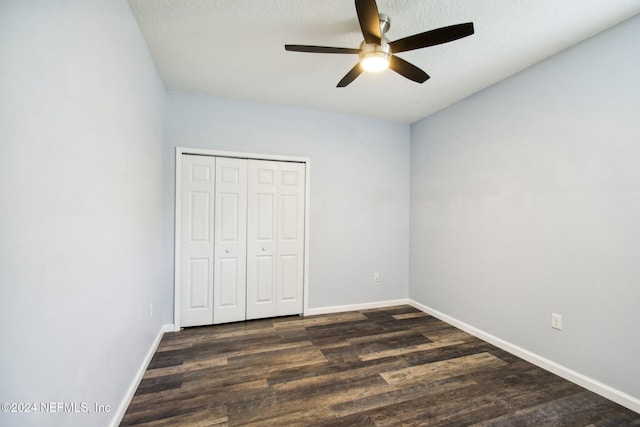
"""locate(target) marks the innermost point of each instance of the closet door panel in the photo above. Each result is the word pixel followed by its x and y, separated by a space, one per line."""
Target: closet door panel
pixel 261 239
pixel 196 263
pixel 229 283
pixel 290 181
pixel 264 280
pixel 288 278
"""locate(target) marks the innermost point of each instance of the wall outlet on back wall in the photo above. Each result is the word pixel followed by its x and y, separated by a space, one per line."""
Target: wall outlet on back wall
pixel 556 321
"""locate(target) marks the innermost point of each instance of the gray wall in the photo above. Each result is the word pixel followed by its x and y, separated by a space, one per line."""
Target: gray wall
pixel 525 200
pixel 81 229
pixel 359 219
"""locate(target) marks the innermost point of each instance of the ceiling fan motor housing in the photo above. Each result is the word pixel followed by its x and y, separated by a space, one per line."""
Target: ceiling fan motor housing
pixel 385 23
pixel 375 57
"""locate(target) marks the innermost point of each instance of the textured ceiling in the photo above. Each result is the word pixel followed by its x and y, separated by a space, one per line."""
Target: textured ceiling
pixel 235 48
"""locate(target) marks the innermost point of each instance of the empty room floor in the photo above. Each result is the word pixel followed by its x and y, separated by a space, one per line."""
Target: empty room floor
pixel 381 367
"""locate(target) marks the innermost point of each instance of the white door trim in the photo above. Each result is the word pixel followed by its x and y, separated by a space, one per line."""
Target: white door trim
pixel 178 216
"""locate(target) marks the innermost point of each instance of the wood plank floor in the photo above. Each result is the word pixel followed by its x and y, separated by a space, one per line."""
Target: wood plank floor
pixel 382 367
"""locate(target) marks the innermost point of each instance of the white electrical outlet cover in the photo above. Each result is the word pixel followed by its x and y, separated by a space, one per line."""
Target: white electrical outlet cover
pixel 556 321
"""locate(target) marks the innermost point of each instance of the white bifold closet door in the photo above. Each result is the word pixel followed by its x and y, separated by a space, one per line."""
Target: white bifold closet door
pixel 197 242
pixel 230 266
pixel 275 238
pixel 242 248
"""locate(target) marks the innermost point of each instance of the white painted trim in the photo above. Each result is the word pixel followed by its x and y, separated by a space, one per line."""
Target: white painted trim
pixel 178 216
pixel 591 384
pixel 177 238
pixel 354 307
pixel 240 155
pixel 307 211
pixel 126 400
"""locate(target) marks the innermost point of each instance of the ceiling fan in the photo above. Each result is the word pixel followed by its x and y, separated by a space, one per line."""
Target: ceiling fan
pixel 377 53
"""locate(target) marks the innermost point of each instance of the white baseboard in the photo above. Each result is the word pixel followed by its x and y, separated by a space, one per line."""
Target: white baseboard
pixel 124 404
pixel 604 390
pixel 354 307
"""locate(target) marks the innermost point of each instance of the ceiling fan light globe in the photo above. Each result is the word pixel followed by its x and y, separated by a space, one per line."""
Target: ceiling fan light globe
pixel 375 62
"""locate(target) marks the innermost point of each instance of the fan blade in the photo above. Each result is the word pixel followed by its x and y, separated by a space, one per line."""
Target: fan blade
pixel 369 19
pixel 319 49
pixel 408 70
pixel 351 75
pixel 432 38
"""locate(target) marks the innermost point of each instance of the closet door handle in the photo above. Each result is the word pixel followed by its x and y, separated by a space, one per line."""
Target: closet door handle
pixel 226 251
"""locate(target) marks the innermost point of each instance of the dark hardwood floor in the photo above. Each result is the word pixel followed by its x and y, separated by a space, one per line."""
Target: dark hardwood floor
pixel 382 367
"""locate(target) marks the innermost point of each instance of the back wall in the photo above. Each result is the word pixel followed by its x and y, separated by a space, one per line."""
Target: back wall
pixel 359 219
